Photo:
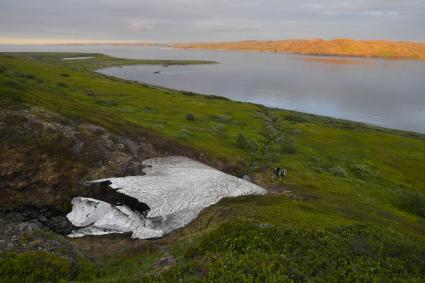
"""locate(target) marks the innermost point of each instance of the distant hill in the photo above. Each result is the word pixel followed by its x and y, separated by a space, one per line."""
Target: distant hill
pixel 335 47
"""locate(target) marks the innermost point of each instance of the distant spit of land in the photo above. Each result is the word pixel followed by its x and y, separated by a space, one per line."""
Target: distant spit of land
pixel 335 47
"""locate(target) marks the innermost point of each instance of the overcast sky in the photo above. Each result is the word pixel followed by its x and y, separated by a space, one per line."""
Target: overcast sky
pixel 213 20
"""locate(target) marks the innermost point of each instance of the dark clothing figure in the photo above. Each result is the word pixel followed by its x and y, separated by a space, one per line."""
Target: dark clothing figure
pixel 279 172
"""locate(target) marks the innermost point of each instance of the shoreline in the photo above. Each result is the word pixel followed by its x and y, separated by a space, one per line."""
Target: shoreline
pixel 212 96
pixel 313 55
pixel 383 49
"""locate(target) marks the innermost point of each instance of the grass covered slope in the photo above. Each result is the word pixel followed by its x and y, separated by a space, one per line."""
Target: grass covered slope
pixel 335 47
pixel 352 206
pixel 95 61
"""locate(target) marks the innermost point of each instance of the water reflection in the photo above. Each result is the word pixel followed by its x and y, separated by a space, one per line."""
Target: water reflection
pixel 388 93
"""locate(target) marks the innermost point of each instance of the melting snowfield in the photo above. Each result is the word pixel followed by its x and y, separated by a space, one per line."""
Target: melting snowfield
pixel 175 189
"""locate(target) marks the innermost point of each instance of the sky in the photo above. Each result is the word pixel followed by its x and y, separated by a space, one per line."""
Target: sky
pixel 61 21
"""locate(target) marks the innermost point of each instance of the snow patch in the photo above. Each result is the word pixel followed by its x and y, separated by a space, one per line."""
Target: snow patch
pixel 175 188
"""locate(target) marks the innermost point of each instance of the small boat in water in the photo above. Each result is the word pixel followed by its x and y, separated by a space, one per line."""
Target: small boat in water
pixel 157 72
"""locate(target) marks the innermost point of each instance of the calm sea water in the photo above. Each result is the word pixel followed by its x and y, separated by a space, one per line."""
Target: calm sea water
pixel 389 93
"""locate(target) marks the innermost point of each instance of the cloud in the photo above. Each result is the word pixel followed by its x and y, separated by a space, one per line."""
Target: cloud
pixel 203 20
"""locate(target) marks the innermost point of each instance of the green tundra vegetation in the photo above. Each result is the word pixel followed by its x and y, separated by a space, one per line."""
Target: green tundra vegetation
pixel 352 207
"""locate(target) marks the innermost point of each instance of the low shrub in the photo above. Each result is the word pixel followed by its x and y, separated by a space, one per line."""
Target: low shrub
pixel 222 118
pixel 245 143
pixel 9 98
pixel 270 157
pixel 190 117
pixel 34 267
pixel 413 202
pixel 91 93
pixel 297 118
pixel 184 133
pixel 15 85
pixel 216 97
pixel 338 171
pixel 39 266
pixel 247 252
pixel 362 171
pixel 218 130
pixel 61 84
pixel 188 93
pixel 25 75
pixel 287 145
pixel 148 109
pixel 107 102
pixel 3 69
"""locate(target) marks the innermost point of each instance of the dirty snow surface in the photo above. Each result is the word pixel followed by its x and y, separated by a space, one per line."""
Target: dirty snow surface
pixel 176 189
